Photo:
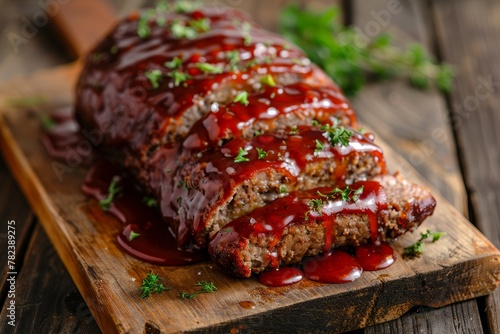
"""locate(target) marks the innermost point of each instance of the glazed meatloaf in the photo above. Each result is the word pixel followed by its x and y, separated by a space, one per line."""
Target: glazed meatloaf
pixel 291 228
pixel 217 118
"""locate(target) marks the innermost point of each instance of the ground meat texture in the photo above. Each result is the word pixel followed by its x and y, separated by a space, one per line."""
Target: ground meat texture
pixel 134 93
pixel 232 180
pixel 288 229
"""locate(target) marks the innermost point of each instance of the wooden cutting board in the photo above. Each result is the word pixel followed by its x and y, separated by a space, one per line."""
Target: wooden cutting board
pixel 462 265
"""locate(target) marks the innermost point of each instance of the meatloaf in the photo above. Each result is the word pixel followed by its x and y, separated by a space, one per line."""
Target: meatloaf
pixel 217 118
pixel 315 221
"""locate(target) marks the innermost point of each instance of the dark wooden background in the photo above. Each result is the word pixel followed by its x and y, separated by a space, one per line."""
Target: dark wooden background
pixel 452 140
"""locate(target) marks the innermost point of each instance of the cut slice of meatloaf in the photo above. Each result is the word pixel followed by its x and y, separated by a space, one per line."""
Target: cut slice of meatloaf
pixel 215 187
pixel 309 223
pixel 271 108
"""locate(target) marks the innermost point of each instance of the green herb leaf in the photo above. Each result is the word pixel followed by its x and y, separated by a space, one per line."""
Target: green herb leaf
pixel 179 77
pixel 283 189
pixel 246 27
pixel 26 102
pixel 205 287
pixel 201 25
pixel 337 135
pixel 316 204
pixel 154 77
pixel 143 29
pixel 319 147
pixel 186 6
pixel 152 284
pixel 180 30
pixel 47 122
pixel 418 248
pixel 233 57
pixel 133 235
pixel 173 64
pixel 268 80
pixel 240 156
pixel 113 191
pixel 209 68
pixel 242 97
pixel 149 201
pixel 261 153
pixel 350 58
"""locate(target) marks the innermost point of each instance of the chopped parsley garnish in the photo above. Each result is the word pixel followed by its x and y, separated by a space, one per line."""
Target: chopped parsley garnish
pixel 152 284
pixel 113 191
pixel 180 30
pixel 179 77
pixel 283 189
pixel 246 27
pixel 132 235
pixel 261 153
pixel 294 130
pixel 242 97
pixel 175 63
pixel 149 201
pixel 316 204
pixel 47 122
pixel 240 157
pixel 185 6
pixel 233 57
pixel 179 200
pixel 143 29
pixel 201 25
pixel 337 135
pixel 154 77
pixel 417 248
pixel 205 287
pixel 209 68
pixel 346 194
pixel 319 147
pixel 268 80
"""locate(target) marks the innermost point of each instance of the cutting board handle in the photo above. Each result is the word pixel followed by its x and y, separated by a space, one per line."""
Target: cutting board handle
pixel 81 23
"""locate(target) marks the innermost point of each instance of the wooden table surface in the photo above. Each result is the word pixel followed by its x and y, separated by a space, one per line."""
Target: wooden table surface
pixel 452 140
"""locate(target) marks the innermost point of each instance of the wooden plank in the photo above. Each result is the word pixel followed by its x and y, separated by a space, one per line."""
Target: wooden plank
pixel 415 123
pixel 457 319
pixel 46 298
pixel 468 34
pixel 13 207
pixel 109 279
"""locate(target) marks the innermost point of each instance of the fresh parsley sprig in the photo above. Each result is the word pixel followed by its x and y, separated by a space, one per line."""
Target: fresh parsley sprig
pixel 349 58
pixel 241 97
pixel 113 191
pixel 417 248
pixel 152 284
pixel 347 194
pixel 205 287
pixel 241 156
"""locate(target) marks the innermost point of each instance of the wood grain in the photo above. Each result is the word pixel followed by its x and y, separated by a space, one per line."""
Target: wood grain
pixel 109 279
pixel 469 35
pixel 46 299
pixel 414 122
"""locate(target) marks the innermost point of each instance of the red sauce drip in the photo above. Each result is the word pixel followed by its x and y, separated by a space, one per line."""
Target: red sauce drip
pixel 156 244
pixel 336 267
pixel 375 256
pixel 114 87
pixel 65 140
pixel 234 119
pixel 281 277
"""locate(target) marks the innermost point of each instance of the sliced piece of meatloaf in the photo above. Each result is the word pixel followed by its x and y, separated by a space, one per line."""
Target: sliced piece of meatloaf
pixel 216 186
pixel 308 223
